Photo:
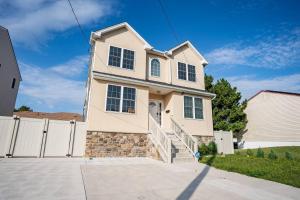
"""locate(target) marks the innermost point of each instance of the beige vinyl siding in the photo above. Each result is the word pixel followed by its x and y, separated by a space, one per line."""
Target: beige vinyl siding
pixel 273 117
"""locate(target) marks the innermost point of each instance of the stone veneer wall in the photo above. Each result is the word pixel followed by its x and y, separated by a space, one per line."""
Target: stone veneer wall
pixel 110 144
pixel 204 139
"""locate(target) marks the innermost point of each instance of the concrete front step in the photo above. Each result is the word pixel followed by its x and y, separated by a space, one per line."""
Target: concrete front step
pixel 182 155
pixel 178 160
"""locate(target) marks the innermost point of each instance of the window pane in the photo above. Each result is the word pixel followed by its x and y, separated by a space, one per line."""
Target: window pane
pixel 188 107
pixel 198 108
pixel 155 67
pixel 181 71
pixel 128 100
pixel 191 73
pixel 128 59
pixel 114 56
pixel 113 98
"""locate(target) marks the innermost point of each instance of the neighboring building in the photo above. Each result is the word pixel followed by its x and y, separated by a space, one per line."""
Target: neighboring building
pixel 10 76
pixel 273 120
pixel 52 116
pixel 128 79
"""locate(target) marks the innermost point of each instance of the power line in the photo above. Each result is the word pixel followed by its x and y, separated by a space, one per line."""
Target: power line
pixel 76 18
pixel 168 20
pixel 165 14
pixel 86 38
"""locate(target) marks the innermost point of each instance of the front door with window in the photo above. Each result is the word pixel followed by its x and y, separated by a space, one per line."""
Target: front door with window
pixel 155 109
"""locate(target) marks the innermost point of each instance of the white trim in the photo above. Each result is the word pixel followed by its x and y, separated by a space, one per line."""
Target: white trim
pixel 263 144
pixel 150 66
pixel 186 72
pixel 192 47
pixel 122 54
pixel 99 33
pixel 121 99
pixel 110 77
pixel 193 108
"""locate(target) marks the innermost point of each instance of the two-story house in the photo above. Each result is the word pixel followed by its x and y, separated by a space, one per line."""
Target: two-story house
pixel 139 98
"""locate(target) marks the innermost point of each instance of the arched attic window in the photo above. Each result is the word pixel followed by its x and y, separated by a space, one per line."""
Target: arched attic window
pixel 155 67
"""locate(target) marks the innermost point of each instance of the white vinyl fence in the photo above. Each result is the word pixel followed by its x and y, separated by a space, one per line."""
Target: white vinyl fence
pixel 29 137
pixel 224 141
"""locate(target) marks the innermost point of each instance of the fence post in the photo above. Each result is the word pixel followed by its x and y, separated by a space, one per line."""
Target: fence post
pixel 169 151
pixel 44 138
pixel 72 137
pixel 13 136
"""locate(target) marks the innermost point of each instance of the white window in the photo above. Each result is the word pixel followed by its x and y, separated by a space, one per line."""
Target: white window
pixel 181 71
pixel 186 72
pixel 120 97
pixel 193 107
pixel 155 67
pixel 119 57
pixel 114 56
pixel 191 73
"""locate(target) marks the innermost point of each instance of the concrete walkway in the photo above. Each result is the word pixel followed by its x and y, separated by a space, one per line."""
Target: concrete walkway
pixel 136 178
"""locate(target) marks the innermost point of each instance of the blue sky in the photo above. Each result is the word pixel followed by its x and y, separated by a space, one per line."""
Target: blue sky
pixel 253 44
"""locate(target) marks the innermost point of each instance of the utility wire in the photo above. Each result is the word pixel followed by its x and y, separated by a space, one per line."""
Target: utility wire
pixel 76 18
pixel 168 20
pixel 165 14
pixel 86 38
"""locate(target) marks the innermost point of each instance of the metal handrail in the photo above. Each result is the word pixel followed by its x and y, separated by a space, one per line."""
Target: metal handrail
pixel 161 138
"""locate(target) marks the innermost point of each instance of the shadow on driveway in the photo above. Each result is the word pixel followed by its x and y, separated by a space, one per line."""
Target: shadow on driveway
pixel 190 189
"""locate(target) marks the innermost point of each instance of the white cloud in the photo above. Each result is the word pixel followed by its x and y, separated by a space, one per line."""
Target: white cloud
pixel 275 51
pixel 53 87
pixel 31 22
pixel 71 68
pixel 250 85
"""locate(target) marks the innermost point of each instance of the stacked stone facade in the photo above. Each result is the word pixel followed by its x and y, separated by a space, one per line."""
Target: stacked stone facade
pixel 111 144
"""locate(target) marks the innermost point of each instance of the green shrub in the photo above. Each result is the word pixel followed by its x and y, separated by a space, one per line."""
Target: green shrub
pixel 238 153
pixel 203 149
pixel 212 147
pixel 249 152
pixel 260 153
pixel 288 156
pixel 272 155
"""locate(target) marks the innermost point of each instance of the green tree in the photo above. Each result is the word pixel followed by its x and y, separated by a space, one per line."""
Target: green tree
pixel 23 108
pixel 228 110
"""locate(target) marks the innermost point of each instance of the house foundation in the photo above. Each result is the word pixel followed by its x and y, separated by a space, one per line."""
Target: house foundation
pixel 112 144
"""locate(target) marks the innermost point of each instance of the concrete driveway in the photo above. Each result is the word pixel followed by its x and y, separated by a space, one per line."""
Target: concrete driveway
pixel 135 178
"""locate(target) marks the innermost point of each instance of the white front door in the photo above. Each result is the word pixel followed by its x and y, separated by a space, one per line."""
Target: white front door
pixel 155 109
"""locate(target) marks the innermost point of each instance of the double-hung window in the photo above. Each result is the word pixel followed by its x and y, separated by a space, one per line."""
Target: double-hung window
pixel 181 71
pixel 186 72
pixel 119 57
pixel 120 99
pixel 193 107
pixel 191 73
pixel 114 56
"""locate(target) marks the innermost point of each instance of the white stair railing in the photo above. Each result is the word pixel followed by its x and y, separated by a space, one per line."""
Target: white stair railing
pixel 160 139
pixel 187 139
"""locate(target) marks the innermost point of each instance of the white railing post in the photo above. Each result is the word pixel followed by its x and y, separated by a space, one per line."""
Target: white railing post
pixel 169 151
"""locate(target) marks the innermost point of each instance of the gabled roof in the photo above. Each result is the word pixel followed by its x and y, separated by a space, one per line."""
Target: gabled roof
pixel 189 44
pixel 276 92
pixel 99 33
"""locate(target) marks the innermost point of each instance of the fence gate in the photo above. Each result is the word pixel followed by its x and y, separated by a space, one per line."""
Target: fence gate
pixel 28 137
pixel 6 129
pixel 224 142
